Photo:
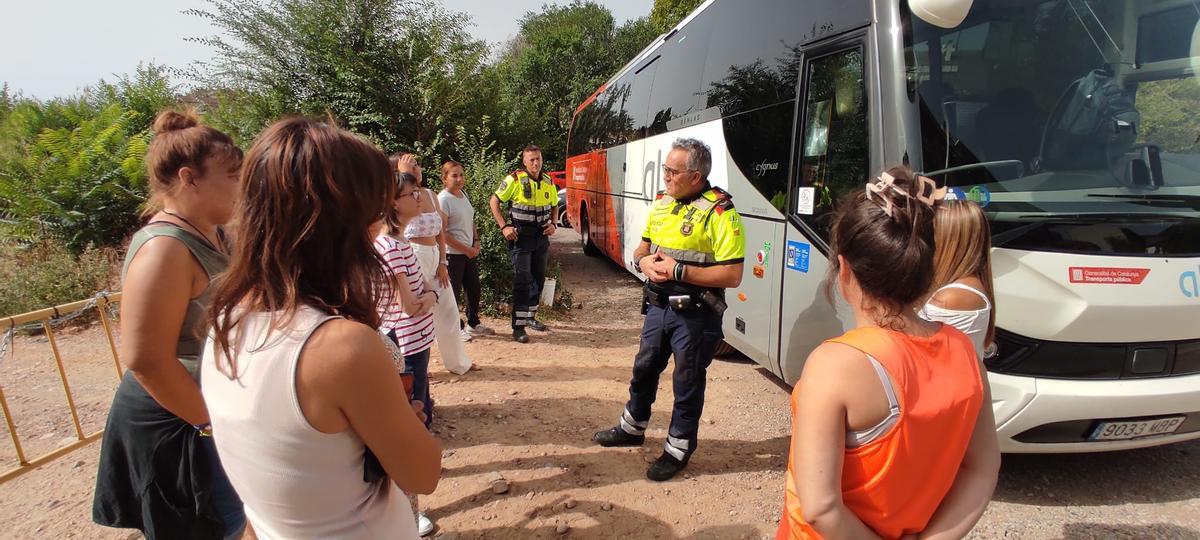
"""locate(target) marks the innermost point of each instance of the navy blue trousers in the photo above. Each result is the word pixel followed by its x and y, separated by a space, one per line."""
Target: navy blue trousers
pixel 692 336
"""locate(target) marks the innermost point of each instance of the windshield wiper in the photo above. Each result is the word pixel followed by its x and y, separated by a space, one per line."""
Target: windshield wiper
pixel 1100 217
pixel 1176 200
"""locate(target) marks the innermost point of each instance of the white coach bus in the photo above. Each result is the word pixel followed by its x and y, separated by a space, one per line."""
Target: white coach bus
pixel 1075 123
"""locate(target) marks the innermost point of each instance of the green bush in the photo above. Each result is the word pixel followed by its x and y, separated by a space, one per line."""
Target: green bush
pixel 46 274
pixel 71 169
pixel 485 167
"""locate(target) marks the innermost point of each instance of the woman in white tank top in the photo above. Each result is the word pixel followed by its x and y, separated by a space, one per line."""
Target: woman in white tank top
pixel 297 380
pixel 963 273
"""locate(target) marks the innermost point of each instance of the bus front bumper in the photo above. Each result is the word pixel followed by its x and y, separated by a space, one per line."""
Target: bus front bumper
pixel 1037 415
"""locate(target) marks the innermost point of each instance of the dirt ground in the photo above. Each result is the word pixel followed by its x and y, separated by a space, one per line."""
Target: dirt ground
pixel 529 413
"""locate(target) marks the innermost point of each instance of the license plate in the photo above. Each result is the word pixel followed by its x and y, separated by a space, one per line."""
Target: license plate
pixel 1116 431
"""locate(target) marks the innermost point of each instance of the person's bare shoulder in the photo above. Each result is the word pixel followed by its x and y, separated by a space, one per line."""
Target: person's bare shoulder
pixel 346 351
pixel 958 299
pixel 835 366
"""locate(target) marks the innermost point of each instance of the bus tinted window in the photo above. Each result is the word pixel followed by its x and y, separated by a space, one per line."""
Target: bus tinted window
pixel 600 125
pixel 1038 111
pixel 834 151
pixel 633 96
pixel 583 130
pixel 753 54
pixel 1167 35
pixel 676 89
pixel 760 142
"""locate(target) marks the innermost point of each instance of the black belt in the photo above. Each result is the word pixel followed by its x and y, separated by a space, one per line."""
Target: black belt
pixel 677 302
pixel 680 301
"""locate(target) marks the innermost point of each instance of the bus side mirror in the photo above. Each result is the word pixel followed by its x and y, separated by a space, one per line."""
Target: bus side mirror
pixel 943 13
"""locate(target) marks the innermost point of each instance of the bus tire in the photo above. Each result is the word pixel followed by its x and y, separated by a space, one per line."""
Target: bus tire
pixel 724 349
pixel 585 234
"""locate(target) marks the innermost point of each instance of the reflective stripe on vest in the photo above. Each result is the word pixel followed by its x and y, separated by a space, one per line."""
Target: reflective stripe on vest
pixel 520 211
pixel 705 207
pixel 524 213
pixel 684 255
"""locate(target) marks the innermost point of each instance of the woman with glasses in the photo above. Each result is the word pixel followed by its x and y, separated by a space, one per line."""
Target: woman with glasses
pixel 426 232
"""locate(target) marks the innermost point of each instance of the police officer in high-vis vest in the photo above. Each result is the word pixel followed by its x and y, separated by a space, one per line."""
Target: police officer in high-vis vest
pixel 532 212
pixel 691 251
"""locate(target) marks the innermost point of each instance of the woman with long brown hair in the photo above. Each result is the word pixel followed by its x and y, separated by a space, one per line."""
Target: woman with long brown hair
pixel 298 381
pixel 158 470
pixel 962 273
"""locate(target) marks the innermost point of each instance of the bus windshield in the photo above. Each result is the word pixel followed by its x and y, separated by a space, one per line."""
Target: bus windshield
pixel 1074 122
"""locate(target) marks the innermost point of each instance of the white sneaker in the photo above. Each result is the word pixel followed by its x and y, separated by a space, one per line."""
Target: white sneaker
pixel 466 336
pixel 424 524
pixel 481 330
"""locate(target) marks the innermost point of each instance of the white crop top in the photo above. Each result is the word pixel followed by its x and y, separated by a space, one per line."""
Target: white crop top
pixel 973 323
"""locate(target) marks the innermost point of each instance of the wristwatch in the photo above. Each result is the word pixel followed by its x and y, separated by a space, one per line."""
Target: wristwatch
pixel 204 429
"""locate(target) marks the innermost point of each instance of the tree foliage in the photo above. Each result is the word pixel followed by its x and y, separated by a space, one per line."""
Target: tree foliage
pixel 400 72
pixel 483 164
pixel 72 170
pixel 405 73
pixel 560 57
pixel 667 13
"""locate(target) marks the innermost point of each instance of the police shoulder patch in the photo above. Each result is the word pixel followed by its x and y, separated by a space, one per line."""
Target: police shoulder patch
pixel 723 200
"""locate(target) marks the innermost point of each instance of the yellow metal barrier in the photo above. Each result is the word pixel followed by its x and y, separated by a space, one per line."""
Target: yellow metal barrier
pixel 45 316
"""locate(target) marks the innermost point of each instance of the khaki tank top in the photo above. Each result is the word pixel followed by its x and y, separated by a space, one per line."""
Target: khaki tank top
pixel 195 321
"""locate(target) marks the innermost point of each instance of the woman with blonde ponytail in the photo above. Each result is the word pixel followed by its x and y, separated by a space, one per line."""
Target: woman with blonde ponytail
pixel 962 273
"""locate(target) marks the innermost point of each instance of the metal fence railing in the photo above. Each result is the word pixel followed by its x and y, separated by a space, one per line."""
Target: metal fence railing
pixel 46 319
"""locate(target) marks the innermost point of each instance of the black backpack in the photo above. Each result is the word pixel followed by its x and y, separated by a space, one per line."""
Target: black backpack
pixel 1093 122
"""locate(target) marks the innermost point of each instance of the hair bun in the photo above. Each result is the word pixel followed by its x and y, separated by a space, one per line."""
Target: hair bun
pixel 174 121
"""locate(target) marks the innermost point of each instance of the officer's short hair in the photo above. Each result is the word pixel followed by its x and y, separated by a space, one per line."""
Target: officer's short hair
pixel 699 155
pixel 531 148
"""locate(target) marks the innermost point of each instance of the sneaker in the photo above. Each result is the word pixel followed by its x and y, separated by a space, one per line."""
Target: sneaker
pixel 466 336
pixel 665 468
pixel 424 524
pixel 535 324
pixel 618 437
pixel 480 330
pixel 520 336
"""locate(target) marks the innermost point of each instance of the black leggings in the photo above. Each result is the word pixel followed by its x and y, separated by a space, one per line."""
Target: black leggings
pixel 465 271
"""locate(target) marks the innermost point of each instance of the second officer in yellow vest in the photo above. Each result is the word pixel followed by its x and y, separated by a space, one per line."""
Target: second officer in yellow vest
pixel 527 225
pixel 691 251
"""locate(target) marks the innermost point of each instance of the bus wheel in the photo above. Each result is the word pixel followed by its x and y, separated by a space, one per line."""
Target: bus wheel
pixel 724 349
pixel 585 234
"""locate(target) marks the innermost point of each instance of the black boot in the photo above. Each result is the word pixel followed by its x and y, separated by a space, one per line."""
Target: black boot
pixel 665 468
pixel 519 335
pixel 537 325
pixel 618 437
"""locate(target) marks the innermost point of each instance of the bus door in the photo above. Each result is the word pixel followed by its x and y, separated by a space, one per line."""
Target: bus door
pixel 832 159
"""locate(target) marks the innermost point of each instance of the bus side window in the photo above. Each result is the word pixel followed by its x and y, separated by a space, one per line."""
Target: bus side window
pixel 834 151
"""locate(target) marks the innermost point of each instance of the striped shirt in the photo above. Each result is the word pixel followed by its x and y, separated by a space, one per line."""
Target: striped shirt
pixel 413 334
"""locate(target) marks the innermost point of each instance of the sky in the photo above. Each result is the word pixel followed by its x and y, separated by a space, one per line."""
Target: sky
pixel 95 39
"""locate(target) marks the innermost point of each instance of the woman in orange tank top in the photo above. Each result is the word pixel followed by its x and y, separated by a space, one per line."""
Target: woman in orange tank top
pixel 893 434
